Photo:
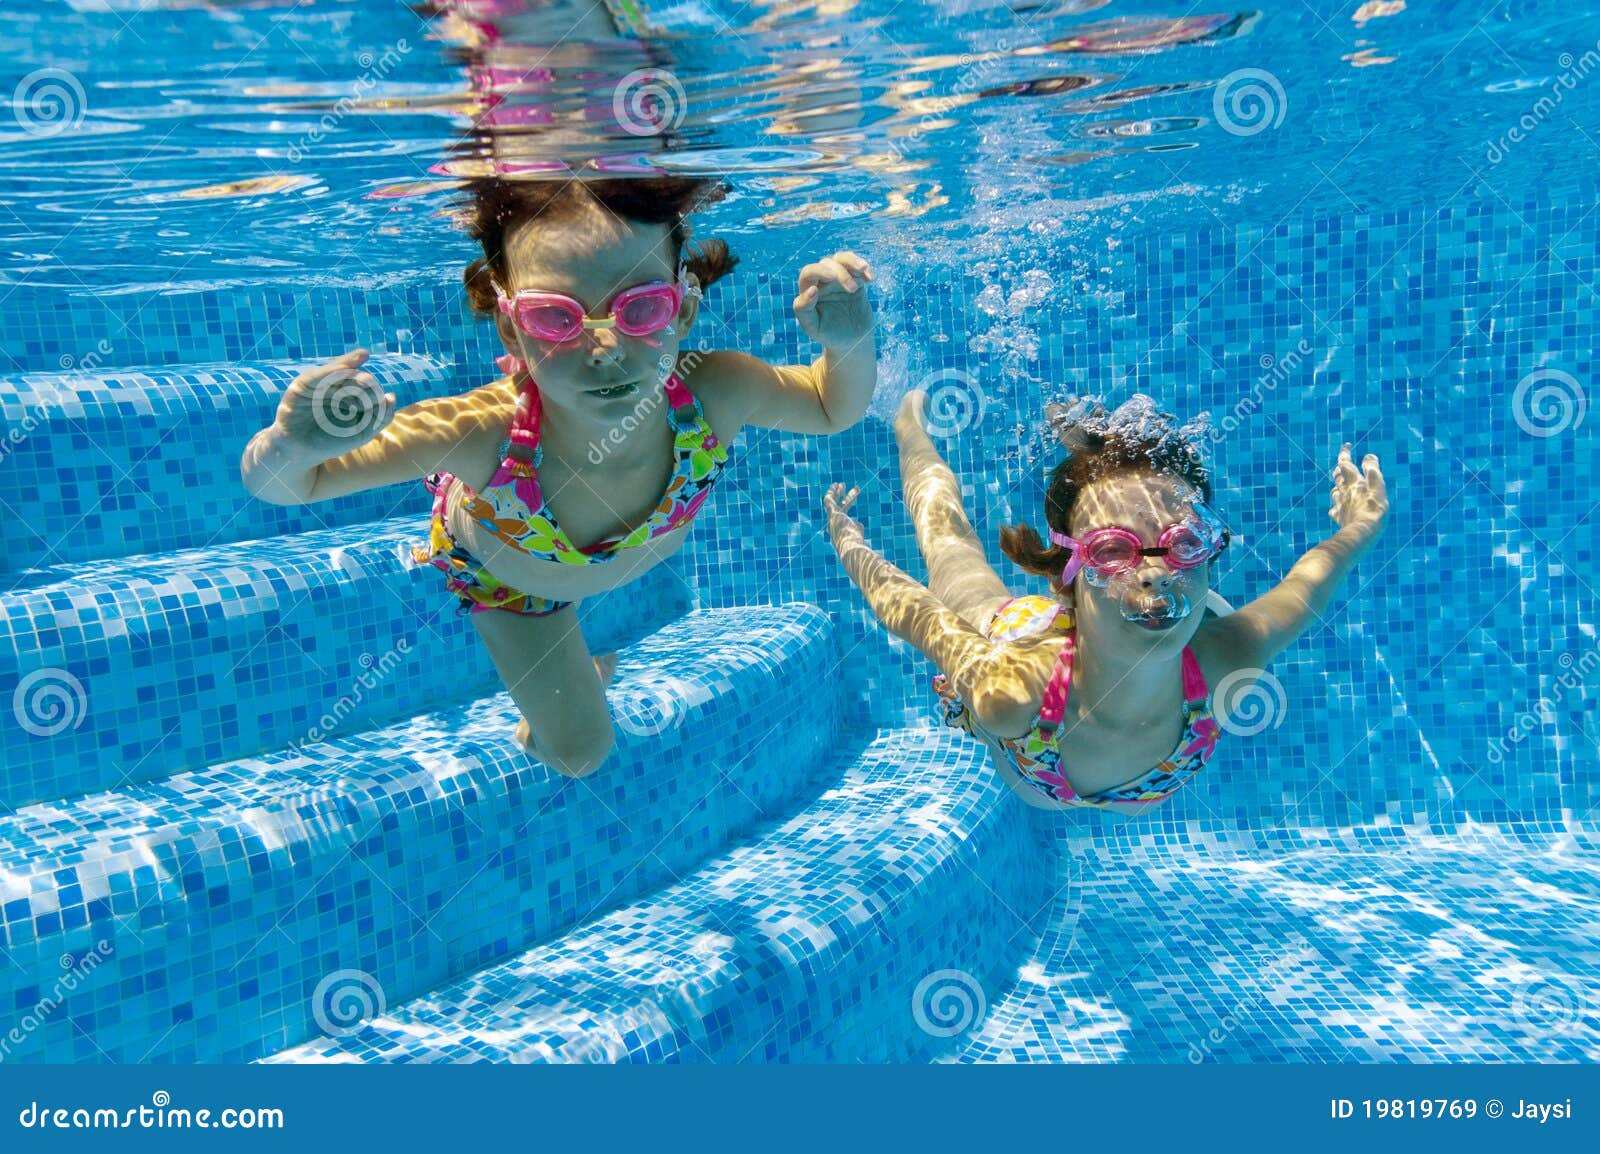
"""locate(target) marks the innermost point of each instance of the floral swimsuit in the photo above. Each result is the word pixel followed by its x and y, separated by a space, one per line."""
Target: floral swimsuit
pixel 1034 755
pixel 512 506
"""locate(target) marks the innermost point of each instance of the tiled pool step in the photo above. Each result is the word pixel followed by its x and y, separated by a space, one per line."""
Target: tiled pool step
pixel 844 933
pixel 193 919
pixel 147 666
pixel 120 461
pixel 1290 947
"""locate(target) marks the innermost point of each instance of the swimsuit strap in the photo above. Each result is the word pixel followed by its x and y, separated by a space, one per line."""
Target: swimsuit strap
pixel 520 451
pixel 686 410
pixel 1054 705
pixel 1194 682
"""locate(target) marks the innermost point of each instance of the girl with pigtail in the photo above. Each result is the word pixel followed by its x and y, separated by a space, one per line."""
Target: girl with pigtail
pixel 1097 695
pixel 593 287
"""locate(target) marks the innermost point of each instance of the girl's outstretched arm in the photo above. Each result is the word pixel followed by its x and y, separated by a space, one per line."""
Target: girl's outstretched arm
pixel 1002 694
pixel 337 432
pixel 830 394
pixel 1259 631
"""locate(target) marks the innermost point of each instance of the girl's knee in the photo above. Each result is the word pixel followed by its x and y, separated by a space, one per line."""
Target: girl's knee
pixel 581 754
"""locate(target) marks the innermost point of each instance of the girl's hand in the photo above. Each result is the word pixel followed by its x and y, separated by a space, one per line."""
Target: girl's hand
pixel 333 408
pixel 832 306
pixel 1360 501
pixel 837 502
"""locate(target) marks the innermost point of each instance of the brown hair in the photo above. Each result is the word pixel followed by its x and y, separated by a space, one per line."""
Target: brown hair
pixel 1093 456
pixel 495 205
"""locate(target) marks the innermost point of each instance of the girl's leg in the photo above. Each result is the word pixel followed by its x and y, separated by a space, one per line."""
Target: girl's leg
pixel 547 669
pixel 958 573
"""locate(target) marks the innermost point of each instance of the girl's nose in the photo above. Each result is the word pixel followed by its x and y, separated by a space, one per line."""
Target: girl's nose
pixel 1154 574
pixel 603 346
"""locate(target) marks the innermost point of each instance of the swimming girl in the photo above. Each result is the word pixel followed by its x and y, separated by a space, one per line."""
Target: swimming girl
pixel 1098 695
pixel 581 468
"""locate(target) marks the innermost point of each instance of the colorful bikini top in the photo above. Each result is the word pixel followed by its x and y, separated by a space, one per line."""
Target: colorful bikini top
pixel 512 505
pixel 1035 755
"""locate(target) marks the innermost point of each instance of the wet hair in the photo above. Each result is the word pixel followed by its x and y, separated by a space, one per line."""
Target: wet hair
pixel 1136 438
pixel 494 206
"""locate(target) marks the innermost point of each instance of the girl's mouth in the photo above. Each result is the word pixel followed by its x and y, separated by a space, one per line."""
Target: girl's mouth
pixel 613 391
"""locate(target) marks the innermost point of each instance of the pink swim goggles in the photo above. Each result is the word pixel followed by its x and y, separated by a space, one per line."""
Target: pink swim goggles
pixel 1114 551
pixel 636 312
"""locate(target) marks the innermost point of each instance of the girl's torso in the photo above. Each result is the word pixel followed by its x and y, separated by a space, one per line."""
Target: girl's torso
pixel 589 502
pixel 1095 756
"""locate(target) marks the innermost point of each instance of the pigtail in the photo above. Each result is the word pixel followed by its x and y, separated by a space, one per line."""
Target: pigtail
pixel 1028 551
pixel 478 278
pixel 710 261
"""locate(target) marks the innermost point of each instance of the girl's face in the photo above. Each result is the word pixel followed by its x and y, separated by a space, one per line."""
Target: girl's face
pixel 600 373
pixel 1146 504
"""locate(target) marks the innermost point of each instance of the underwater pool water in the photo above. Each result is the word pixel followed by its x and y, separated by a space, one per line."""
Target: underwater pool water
pixel 258 798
